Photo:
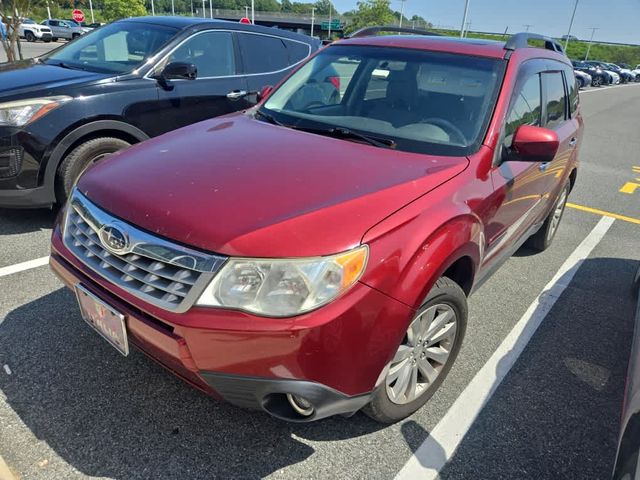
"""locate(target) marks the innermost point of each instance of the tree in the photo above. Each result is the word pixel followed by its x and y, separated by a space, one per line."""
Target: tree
pixel 11 14
pixel 116 9
pixel 323 6
pixel 370 13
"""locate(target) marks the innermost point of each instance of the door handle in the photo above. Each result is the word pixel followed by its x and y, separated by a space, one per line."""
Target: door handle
pixel 236 94
pixel 573 142
pixel 543 166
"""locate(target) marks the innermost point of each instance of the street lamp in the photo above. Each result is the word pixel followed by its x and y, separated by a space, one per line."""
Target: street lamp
pixel 253 12
pixel 566 42
pixel 464 18
pixel 593 32
pixel 313 18
pixel 401 11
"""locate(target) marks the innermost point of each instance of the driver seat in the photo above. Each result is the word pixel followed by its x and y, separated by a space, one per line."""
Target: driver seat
pixel 400 107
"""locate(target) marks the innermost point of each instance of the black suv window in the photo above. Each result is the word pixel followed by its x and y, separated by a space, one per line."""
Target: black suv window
pixel 298 51
pixel 263 53
pixel 556 99
pixel 211 52
pixel 526 108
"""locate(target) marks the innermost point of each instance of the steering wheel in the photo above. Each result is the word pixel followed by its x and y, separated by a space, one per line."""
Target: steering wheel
pixel 311 105
pixel 455 134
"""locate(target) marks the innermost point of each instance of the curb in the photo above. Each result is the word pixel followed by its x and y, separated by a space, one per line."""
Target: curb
pixel 5 473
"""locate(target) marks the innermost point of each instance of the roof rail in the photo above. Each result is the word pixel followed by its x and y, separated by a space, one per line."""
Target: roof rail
pixel 521 40
pixel 370 31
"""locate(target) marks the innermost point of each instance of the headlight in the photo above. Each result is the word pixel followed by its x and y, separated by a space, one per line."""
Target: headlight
pixel 21 112
pixel 284 287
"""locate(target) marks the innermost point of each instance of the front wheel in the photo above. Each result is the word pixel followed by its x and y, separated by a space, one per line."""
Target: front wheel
pixel 81 158
pixel 30 37
pixel 541 240
pixel 425 355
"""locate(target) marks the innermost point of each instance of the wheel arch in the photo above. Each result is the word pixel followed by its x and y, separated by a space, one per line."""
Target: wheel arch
pixel 85 132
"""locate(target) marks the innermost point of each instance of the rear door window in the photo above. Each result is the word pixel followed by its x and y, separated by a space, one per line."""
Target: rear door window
pixel 297 51
pixel 556 99
pixel 211 52
pixel 263 53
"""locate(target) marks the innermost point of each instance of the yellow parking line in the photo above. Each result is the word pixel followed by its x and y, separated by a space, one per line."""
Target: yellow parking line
pixel 604 213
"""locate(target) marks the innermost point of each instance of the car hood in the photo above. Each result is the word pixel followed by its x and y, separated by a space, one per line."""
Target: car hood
pixel 25 77
pixel 239 186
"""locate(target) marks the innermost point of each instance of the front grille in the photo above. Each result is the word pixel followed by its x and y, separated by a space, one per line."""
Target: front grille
pixel 164 274
pixel 11 162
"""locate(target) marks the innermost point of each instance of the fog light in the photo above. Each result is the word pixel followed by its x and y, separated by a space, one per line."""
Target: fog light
pixel 300 404
pixel 10 162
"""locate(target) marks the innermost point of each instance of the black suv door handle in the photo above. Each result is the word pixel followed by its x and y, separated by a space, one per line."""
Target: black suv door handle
pixel 236 94
pixel 573 142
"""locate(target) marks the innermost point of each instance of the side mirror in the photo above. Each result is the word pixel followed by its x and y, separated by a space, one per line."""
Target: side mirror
pixel 264 92
pixel 179 71
pixel 534 144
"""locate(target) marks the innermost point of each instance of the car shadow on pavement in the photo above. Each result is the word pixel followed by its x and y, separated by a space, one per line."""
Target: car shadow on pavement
pixel 24 221
pixel 557 412
pixel 107 415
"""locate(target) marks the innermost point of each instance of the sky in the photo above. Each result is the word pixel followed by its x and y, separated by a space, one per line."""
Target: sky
pixel 617 20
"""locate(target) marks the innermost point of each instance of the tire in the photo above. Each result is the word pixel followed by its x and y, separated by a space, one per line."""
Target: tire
pixel 47 40
pixel 542 239
pixel 74 36
pixel 80 158
pixel 580 83
pixel 445 296
pixel 54 39
pixel 29 36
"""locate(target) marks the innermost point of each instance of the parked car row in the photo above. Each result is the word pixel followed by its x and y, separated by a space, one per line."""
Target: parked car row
pixel 596 74
pixel 51 30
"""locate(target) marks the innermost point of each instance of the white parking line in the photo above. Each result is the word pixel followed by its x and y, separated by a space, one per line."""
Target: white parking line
pixel 601 89
pixel 21 267
pixel 444 439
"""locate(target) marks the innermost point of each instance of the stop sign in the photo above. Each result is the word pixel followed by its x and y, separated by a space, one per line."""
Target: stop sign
pixel 245 20
pixel 78 15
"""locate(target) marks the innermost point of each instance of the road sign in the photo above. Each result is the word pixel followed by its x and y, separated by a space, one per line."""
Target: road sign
pixel 78 15
pixel 335 25
pixel 245 20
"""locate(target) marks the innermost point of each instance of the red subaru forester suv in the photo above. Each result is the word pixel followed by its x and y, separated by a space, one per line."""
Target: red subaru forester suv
pixel 313 256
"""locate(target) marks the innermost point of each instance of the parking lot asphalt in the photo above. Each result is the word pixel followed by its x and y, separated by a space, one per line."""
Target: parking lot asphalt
pixel 33 49
pixel 72 407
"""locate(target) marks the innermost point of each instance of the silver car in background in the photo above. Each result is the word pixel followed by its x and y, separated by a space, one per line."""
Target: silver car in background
pixel 63 29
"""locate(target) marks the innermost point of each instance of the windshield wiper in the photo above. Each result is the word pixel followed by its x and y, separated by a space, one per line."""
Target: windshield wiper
pixel 66 65
pixel 341 132
pixel 269 118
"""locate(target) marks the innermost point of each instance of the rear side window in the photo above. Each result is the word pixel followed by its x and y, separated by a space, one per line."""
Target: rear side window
pixel 572 87
pixel 263 53
pixel 297 51
pixel 556 99
pixel 526 108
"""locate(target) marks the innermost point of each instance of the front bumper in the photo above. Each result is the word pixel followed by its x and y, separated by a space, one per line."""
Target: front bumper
pixel 333 356
pixel 19 171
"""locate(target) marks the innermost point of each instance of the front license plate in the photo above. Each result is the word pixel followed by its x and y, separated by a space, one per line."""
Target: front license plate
pixel 104 319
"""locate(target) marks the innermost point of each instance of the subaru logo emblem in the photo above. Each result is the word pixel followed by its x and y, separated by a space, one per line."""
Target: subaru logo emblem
pixel 114 239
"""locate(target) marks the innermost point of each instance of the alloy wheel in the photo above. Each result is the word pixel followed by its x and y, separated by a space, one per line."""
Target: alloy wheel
pixel 423 353
pixel 557 214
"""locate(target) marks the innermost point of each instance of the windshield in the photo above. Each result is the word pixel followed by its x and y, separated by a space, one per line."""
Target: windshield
pixel 116 48
pixel 425 102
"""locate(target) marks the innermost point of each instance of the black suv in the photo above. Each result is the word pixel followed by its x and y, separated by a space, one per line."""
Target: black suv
pixel 598 77
pixel 123 83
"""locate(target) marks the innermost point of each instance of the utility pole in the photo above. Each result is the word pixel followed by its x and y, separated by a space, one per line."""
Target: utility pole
pixel 93 20
pixel 211 8
pixel 173 8
pixel 204 10
pixel 253 12
pixel 313 18
pixel 330 20
pixel 527 26
pixel 153 8
pixel 401 11
pixel 49 12
pixel 566 42
pixel 192 8
pixel 593 32
pixel 464 18
pixel 246 11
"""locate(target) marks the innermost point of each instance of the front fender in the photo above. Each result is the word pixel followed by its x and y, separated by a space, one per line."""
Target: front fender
pixel 407 274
